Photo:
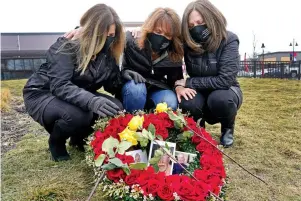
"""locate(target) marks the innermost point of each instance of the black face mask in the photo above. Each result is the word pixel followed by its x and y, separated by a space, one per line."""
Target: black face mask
pixel 200 33
pixel 158 42
pixel 107 44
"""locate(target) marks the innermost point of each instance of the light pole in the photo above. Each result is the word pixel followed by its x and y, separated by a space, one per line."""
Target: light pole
pixel 262 67
pixel 293 44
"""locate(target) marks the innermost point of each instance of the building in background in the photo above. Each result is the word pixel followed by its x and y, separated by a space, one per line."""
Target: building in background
pixel 23 53
pixel 280 56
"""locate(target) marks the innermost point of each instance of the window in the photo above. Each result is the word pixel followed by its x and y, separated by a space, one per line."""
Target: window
pixel 19 64
pixel 28 64
pixel 38 62
pixel 2 64
pixel 10 64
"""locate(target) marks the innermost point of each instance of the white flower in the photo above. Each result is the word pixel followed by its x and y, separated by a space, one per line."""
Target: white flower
pixel 176 196
pixel 141 191
pixel 151 197
pixel 144 198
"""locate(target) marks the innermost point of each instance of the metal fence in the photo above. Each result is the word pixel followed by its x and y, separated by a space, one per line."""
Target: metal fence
pixel 268 69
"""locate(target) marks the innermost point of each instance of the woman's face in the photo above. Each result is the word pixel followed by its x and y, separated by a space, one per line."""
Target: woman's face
pixel 160 31
pixel 194 19
pixel 112 30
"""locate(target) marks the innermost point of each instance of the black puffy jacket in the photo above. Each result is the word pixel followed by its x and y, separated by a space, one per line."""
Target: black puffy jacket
pixel 60 78
pixel 212 71
pixel 165 72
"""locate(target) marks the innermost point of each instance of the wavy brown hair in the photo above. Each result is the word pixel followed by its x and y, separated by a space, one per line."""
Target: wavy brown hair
pixel 169 21
pixel 213 18
pixel 95 24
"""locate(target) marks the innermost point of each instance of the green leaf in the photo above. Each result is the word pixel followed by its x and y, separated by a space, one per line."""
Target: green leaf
pixel 178 124
pixel 156 167
pixel 126 169
pixel 116 161
pixel 159 137
pixel 158 153
pixel 138 166
pixel 187 134
pixel 172 116
pixel 99 160
pixel 109 166
pixel 154 160
pixel 143 140
pixel 109 144
pixel 152 129
pixel 123 146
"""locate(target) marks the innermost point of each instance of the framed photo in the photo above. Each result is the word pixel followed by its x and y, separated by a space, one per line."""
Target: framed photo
pixel 138 155
pixel 184 159
pixel 165 164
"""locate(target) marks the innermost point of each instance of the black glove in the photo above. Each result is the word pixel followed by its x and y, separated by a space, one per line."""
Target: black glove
pixel 103 107
pixel 132 75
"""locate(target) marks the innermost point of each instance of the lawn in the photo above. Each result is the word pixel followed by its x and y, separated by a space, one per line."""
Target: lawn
pixel 267 142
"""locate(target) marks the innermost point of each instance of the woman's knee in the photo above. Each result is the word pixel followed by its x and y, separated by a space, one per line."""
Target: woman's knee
pixel 221 102
pixel 133 89
pixel 167 96
pixel 78 120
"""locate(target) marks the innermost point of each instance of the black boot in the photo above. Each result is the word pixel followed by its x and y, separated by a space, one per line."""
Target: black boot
pixel 227 132
pixel 227 137
pixel 78 143
pixel 57 148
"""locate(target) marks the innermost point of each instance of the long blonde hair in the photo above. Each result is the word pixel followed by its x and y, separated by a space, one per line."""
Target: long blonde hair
pixel 95 24
pixel 213 18
pixel 170 22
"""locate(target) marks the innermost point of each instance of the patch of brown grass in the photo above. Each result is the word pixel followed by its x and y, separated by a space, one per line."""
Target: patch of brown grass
pixel 5 99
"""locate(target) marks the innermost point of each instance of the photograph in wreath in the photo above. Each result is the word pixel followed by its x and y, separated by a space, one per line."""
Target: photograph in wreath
pixel 161 155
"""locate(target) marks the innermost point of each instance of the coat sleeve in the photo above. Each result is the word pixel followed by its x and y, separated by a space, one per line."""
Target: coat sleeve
pixel 61 69
pixel 115 81
pixel 228 65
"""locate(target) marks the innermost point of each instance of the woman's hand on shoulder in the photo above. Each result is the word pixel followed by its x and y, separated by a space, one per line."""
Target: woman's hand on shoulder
pixel 187 93
pixel 73 34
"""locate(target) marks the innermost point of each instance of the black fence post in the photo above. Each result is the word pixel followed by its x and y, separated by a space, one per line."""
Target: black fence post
pixel 299 74
pixel 254 69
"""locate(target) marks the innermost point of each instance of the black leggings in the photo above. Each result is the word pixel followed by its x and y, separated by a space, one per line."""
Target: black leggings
pixel 219 106
pixel 63 120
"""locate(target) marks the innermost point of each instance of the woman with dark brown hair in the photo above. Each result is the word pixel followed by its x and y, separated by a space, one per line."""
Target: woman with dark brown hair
pixel 212 58
pixel 62 96
pixel 153 62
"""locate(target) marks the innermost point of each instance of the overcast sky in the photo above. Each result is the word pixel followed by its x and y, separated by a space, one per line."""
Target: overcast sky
pixel 274 22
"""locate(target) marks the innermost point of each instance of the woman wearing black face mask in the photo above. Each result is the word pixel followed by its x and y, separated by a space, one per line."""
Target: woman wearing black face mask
pixel 62 95
pixel 153 62
pixel 212 59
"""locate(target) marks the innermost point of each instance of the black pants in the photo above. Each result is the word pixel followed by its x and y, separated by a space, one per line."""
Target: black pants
pixel 219 106
pixel 63 120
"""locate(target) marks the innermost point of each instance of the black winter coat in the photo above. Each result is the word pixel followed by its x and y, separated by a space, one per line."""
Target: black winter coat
pixel 60 78
pixel 162 74
pixel 213 71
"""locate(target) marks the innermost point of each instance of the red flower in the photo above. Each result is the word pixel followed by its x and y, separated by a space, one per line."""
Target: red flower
pixel 132 178
pixel 145 176
pixel 151 187
pixel 165 192
pixel 125 120
pixel 116 174
pixel 186 190
pixel 201 174
pixel 125 158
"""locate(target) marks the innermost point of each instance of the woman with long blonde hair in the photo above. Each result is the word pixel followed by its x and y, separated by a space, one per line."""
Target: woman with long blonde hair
pixel 153 62
pixel 212 58
pixel 62 95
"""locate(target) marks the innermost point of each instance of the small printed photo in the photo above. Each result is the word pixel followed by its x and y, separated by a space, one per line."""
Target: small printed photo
pixel 165 164
pixel 138 155
pixel 183 159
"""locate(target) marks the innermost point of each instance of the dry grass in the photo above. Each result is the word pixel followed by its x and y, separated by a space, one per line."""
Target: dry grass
pixel 267 142
pixel 5 99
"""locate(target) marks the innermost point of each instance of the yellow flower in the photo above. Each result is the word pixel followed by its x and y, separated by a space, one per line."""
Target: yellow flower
pixel 136 123
pixel 161 107
pixel 128 135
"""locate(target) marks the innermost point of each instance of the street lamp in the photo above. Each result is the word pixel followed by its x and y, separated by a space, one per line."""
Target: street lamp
pixel 293 44
pixel 262 67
